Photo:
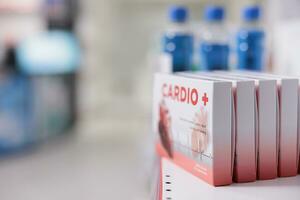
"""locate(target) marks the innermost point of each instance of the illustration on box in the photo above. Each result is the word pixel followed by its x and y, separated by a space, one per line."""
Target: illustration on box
pixel 197 140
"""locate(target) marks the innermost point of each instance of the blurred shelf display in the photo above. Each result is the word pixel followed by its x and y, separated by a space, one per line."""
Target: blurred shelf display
pixel 166 1
pixel 19 7
pixel 40 57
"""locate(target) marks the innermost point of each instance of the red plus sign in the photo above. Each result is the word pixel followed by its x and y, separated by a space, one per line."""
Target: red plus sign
pixel 205 99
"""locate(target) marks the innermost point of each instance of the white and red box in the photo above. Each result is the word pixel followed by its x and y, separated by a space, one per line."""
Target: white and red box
pixel 287 88
pixel 298 161
pixel 244 100
pixel 193 119
pixel 267 123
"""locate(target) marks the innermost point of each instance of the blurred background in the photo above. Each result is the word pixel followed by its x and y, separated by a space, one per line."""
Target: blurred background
pixel 76 90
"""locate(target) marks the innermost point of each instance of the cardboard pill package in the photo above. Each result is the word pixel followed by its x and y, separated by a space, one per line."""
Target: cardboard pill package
pixel 193 119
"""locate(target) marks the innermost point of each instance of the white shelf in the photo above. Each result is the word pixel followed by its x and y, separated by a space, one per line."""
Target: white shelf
pixel 186 186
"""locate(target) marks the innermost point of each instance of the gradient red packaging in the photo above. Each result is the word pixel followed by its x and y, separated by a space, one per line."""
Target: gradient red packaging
pixel 267 123
pixel 193 119
pixel 244 100
pixel 298 161
pixel 287 89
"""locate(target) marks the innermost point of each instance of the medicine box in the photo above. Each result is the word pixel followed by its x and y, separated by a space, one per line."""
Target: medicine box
pixel 193 118
pixel 244 101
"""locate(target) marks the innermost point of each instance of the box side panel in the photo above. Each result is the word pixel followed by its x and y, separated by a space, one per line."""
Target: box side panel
pixel 288 149
pixel 267 130
pixel 246 138
pixel 222 133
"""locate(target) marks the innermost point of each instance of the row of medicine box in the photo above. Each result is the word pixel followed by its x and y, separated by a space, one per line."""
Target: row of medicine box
pixel 228 126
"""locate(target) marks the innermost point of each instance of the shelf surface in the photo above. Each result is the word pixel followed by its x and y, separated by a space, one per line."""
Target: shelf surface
pixel 186 186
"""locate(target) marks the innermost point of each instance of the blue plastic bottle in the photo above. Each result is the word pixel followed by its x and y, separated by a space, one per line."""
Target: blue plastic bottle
pixel 16 121
pixel 178 40
pixel 15 113
pixel 250 41
pixel 214 45
pixel 53 76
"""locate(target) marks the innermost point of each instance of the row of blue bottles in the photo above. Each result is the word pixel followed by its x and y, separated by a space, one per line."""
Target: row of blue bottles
pixel 214 48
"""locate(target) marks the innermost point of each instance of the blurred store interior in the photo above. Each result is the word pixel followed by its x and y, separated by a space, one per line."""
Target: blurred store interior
pixel 76 90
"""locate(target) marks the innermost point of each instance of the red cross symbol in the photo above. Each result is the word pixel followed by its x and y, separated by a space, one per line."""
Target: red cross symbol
pixel 205 99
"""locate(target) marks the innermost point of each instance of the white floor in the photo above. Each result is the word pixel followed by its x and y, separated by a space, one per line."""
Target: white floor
pixel 75 167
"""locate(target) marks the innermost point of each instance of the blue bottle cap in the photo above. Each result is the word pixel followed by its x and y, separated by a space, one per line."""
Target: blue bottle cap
pixel 251 13
pixel 178 14
pixel 214 13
